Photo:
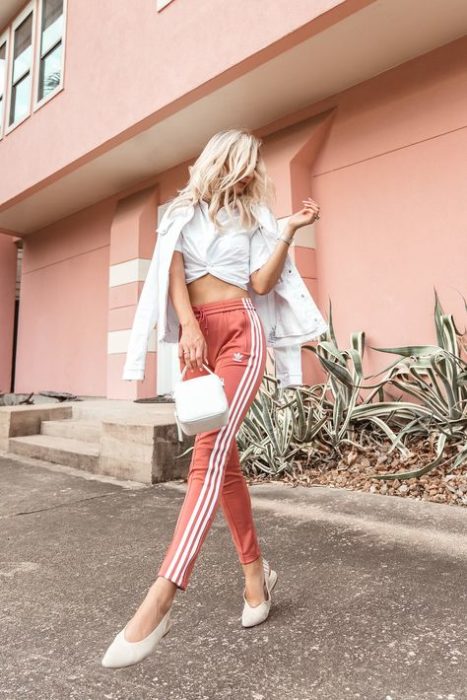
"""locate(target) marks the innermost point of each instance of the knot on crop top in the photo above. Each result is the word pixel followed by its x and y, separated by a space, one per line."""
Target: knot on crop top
pixel 231 254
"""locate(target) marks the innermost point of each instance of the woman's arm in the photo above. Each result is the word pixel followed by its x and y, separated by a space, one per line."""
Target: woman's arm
pixel 192 340
pixel 265 278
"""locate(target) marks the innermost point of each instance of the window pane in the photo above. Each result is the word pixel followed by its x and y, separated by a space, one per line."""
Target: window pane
pixel 2 67
pixel 50 71
pixel 20 100
pixel 22 48
pixel 52 24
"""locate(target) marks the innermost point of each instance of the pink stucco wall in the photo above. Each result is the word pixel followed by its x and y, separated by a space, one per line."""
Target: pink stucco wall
pixel 390 179
pixel 160 63
pixel 391 182
pixel 62 334
pixel 8 257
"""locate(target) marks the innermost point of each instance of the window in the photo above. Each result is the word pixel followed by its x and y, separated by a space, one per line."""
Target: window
pixel 20 90
pixel 3 65
pixel 50 52
pixel 31 67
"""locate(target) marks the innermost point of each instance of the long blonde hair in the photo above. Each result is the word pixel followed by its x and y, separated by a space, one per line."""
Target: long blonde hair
pixel 228 156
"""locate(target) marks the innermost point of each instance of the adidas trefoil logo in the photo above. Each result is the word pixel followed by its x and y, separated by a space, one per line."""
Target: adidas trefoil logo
pixel 237 356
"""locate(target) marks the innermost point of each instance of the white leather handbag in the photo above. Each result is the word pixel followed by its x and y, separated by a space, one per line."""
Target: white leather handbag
pixel 200 403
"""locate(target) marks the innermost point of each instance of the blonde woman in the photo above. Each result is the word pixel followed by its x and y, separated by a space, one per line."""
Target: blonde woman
pixel 217 254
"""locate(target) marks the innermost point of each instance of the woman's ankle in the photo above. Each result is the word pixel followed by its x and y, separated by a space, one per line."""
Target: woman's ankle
pixel 253 570
pixel 164 592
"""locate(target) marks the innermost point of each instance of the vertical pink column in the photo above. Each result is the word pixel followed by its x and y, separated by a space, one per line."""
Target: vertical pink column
pixel 291 155
pixel 132 242
pixel 8 267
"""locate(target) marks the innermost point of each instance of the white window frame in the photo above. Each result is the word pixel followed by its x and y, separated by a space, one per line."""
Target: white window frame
pixel 5 39
pixel 30 8
pixel 37 57
pixel 160 4
pixel 36 7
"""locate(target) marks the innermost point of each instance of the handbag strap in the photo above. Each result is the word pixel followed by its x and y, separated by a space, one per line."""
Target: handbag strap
pixel 204 365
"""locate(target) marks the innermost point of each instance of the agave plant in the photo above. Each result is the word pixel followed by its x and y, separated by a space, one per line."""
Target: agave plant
pixel 281 422
pixel 346 408
pixel 267 437
pixel 436 375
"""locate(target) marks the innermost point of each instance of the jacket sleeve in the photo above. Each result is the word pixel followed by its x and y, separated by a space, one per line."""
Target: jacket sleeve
pixel 144 321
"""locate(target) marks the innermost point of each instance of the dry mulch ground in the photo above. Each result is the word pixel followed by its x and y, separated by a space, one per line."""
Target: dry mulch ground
pixel 351 471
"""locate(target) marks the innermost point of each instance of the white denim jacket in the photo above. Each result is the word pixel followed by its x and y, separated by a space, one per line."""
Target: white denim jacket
pixel 288 312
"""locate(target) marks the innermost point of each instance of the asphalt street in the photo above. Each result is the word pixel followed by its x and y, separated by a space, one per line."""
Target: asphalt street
pixel 370 602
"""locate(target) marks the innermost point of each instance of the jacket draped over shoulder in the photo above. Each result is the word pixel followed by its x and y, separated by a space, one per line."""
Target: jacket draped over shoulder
pixel 288 312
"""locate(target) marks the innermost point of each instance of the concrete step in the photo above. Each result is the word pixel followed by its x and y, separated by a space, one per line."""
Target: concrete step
pixel 85 430
pixel 111 410
pixel 59 450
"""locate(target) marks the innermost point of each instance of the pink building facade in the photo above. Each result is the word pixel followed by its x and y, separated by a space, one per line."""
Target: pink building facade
pixel 361 105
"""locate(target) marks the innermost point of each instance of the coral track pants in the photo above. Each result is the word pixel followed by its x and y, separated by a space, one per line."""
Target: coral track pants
pixel 236 345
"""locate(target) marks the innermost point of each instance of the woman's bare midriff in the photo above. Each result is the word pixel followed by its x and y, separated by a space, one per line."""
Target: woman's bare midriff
pixel 209 288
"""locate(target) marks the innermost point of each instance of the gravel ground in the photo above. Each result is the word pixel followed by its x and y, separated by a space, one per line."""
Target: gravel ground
pixel 351 471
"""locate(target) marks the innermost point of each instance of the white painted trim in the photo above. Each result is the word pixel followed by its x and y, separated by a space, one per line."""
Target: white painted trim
pixel 117 341
pixel 129 271
pixel 160 4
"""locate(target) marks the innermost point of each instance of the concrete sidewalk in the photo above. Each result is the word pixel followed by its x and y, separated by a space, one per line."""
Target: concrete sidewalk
pixel 370 602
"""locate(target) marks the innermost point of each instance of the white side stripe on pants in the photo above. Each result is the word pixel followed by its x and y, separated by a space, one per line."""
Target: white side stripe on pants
pixel 210 489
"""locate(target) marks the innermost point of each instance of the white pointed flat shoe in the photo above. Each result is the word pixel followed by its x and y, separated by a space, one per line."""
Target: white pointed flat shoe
pixel 254 614
pixel 121 652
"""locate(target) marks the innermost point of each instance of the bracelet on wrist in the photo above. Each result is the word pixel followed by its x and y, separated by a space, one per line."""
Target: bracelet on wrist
pixel 286 240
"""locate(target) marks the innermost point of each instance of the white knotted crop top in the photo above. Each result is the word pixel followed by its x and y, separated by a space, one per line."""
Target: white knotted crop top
pixel 231 254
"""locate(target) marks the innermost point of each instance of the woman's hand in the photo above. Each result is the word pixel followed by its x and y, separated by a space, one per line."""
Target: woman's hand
pixel 192 346
pixel 305 216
